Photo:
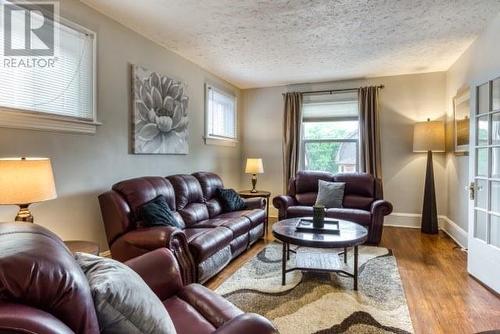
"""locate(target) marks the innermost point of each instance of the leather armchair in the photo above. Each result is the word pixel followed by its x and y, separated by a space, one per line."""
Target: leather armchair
pixel 363 200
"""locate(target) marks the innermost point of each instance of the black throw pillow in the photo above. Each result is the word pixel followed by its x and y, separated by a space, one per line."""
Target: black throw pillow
pixel 157 213
pixel 230 200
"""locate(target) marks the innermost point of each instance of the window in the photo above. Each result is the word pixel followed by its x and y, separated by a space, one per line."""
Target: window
pixel 330 133
pixel 51 93
pixel 220 116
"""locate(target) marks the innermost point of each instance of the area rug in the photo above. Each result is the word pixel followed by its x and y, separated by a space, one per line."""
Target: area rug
pixel 322 303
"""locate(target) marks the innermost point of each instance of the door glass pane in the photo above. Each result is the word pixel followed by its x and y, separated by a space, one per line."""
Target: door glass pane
pixel 496 94
pixel 482 131
pixel 495 129
pixel 480 225
pixel 482 194
pixel 495 231
pixel 495 163
pixel 495 197
pixel 482 162
pixel 483 99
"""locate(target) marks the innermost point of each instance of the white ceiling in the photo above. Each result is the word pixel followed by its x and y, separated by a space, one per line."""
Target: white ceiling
pixel 275 42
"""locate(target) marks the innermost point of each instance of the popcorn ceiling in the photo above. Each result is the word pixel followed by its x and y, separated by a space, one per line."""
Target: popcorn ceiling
pixel 267 43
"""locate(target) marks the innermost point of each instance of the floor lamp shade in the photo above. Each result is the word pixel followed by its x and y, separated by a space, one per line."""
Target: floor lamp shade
pixel 24 181
pixel 429 137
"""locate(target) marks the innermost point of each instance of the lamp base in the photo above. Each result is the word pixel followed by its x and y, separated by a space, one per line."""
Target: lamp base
pixel 24 214
pixel 254 183
pixel 429 209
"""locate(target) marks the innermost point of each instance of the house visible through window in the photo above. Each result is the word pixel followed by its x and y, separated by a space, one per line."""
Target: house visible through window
pixel 59 88
pixel 220 115
pixel 330 133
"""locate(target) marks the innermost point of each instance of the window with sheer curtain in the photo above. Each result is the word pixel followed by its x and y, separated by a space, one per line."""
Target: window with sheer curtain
pixel 330 132
pixel 220 115
pixel 48 96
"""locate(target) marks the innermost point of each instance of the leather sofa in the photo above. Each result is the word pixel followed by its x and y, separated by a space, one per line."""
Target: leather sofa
pixel 43 290
pixel 209 238
pixel 363 200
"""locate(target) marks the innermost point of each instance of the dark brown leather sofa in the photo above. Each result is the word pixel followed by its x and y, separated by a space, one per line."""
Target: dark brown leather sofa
pixel 209 238
pixel 363 200
pixel 44 291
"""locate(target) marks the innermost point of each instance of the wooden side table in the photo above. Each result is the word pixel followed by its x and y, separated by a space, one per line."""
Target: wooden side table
pixel 82 246
pixel 262 194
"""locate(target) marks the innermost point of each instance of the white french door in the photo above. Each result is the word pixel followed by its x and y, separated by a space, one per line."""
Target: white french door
pixel 484 205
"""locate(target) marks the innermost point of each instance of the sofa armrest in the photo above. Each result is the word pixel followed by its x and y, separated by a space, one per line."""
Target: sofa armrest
pixel 151 238
pixel 210 305
pixel 379 209
pixel 255 203
pixel 282 203
pixel 160 271
pixel 247 323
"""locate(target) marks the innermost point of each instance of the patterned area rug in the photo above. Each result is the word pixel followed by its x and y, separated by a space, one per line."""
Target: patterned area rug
pixel 323 303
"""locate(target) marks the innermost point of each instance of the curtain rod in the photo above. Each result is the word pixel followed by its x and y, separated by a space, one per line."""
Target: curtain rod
pixel 331 91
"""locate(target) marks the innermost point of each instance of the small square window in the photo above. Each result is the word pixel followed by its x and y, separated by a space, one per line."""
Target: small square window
pixel 220 115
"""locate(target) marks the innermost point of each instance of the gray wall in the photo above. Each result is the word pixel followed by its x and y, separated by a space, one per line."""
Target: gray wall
pixel 477 65
pixel 405 100
pixel 86 165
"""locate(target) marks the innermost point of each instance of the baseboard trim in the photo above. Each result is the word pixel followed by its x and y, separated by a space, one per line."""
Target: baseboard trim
pixel 454 231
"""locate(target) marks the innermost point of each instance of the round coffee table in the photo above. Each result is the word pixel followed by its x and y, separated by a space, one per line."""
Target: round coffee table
pixel 350 235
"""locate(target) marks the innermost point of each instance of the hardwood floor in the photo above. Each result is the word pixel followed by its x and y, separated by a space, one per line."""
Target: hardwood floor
pixel 441 296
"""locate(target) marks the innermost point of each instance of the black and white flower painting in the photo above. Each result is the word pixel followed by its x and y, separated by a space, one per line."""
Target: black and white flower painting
pixel 160 114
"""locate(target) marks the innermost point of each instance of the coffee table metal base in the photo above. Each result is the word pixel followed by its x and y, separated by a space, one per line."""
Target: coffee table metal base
pixel 319 262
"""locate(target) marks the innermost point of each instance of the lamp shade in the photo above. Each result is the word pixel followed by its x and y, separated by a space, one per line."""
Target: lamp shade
pixel 254 166
pixel 428 136
pixel 26 181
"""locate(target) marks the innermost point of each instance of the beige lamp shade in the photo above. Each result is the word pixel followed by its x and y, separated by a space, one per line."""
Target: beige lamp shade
pixel 26 181
pixel 428 136
pixel 254 166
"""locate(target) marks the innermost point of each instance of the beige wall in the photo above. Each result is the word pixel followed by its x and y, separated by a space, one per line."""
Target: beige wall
pixel 480 63
pixel 404 100
pixel 86 165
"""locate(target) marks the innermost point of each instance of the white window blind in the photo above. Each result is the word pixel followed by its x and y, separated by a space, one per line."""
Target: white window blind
pixel 64 89
pixel 220 114
pixel 330 106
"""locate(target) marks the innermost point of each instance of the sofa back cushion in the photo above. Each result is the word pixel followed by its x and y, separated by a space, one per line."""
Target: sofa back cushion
pixel 359 192
pixel 210 182
pixel 136 192
pixel 189 199
pixel 306 186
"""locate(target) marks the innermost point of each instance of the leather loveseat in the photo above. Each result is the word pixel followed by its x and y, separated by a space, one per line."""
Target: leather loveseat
pixel 209 238
pixel 363 200
pixel 44 291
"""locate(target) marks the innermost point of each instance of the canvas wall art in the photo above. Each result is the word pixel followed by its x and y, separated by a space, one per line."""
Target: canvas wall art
pixel 160 117
pixel 461 104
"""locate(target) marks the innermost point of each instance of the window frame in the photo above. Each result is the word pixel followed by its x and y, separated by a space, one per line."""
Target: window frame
pixel 220 140
pixel 36 120
pixel 304 141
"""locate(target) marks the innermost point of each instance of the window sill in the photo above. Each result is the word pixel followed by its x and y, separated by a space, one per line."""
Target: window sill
pixel 220 141
pixel 34 121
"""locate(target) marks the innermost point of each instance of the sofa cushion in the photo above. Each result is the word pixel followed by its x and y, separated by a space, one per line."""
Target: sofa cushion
pixel 123 301
pixel 299 211
pixel 238 225
pixel 187 190
pixel 330 194
pixel 362 217
pixel 214 207
pixel 308 198
pixel 230 200
pixel 358 202
pixel 186 318
pixel 209 182
pixel 307 181
pixel 256 216
pixel 157 213
pixel 360 184
pixel 193 213
pixel 204 242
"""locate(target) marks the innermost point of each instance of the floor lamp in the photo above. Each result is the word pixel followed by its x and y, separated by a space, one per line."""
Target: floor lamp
pixel 429 137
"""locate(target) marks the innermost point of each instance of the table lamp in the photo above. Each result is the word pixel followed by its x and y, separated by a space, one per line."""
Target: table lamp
pixel 254 167
pixel 429 137
pixel 24 181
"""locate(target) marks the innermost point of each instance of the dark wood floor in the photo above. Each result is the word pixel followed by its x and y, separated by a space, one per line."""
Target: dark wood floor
pixel 441 296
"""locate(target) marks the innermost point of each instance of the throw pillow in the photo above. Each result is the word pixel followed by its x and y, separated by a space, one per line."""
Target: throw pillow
pixel 230 200
pixel 123 301
pixel 330 194
pixel 157 213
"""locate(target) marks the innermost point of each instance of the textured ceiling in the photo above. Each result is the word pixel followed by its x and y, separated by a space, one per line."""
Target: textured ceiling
pixel 276 42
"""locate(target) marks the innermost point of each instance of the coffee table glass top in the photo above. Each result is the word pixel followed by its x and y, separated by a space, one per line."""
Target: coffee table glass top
pixel 351 234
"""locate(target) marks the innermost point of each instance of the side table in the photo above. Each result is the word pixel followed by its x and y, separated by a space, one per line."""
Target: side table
pixel 82 246
pixel 262 194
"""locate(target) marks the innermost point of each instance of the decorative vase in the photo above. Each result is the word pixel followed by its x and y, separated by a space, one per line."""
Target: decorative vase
pixel 319 213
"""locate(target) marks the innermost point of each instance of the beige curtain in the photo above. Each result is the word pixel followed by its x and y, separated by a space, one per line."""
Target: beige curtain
pixel 291 134
pixel 369 126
